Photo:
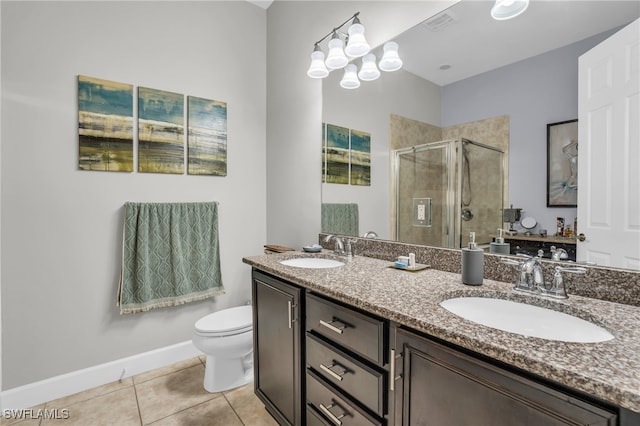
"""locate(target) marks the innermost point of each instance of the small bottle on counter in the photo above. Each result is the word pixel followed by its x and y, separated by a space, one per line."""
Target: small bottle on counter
pixel 499 246
pixel 472 262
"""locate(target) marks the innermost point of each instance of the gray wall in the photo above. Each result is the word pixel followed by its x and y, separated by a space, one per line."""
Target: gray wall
pixel 61 227
pixel 533 92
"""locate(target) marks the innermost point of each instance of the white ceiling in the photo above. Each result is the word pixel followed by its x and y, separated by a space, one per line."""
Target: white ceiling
pixel 474 42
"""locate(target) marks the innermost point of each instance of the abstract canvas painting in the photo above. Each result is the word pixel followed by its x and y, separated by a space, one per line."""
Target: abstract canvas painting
pixel 360 158
pixel 207 137
pixel 105 125
pixel 562 164
pixel 337 154
pixel 160 131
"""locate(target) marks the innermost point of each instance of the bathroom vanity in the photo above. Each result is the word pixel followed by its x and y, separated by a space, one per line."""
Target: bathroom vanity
pixel 368 344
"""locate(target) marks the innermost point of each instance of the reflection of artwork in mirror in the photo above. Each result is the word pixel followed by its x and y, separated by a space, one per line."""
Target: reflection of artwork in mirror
pixel 160 131
pixel 105 125
pixel 207 137
pixel 562 164
pixel 360 158
pixel 336 155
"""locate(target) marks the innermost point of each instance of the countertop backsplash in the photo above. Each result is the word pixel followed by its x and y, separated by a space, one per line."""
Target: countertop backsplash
pixel 610 284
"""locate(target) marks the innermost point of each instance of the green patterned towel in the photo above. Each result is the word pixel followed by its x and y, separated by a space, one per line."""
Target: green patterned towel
pixel 341 219
pixel 170 255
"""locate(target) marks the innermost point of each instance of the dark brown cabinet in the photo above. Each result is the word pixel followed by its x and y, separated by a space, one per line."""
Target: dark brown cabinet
pixel 346 359
pixel 439 385
pixel 277 344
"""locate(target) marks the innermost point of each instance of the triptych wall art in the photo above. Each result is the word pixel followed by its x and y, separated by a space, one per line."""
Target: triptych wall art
pixel 106 130
pixel 346 156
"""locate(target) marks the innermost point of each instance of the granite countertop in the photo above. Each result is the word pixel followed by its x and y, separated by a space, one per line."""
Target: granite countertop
pixel 608 370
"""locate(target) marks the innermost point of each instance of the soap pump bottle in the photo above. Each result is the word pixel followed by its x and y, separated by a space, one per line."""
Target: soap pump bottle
pixel 472 262
pixel 499 246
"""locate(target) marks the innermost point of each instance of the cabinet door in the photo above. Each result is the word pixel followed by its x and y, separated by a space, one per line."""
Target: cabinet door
pixel 277 339
pixel 441 386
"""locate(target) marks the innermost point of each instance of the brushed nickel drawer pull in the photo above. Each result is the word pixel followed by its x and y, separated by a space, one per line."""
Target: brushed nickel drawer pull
pixel 289 308
pixel 339 329
pixel 326 410
pixel 328 370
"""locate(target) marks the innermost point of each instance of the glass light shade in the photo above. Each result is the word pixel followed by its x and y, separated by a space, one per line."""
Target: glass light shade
pixel 350 78
pixel 369 70
pixel 317 69
pixel 357 46
pixel 336 57
pixel 390 59
pixel 507 9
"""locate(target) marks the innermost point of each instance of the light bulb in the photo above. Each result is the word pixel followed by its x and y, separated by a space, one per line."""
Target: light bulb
pixel 357 46
pixel 336 57
pixel 350 78
pixel 390 59
pixel 317 69
pixel 369 70
pixel 507 9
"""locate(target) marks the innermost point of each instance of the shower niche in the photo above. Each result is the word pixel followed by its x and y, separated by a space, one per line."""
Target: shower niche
pixel 443 190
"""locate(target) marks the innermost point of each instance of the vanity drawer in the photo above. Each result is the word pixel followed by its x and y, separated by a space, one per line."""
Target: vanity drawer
pixel 360 381
pixel 334 408
pixel 355 331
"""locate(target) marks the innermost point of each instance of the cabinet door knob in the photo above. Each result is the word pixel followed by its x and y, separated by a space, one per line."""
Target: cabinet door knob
pixel 327 411
pixel 338 328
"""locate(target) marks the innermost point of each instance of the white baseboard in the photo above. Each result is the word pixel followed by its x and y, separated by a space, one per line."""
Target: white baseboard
pixel 77 381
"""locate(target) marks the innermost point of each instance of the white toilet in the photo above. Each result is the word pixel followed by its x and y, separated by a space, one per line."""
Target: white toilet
pixel 226 337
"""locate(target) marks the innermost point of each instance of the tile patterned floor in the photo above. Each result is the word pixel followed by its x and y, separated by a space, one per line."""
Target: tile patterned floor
pixel 169 396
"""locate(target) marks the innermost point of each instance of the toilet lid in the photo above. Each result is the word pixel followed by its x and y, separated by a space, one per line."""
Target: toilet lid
pixel 227 321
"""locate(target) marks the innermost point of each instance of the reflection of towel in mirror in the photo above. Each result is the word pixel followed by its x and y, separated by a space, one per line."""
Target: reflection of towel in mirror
pixel 170 255
pixel 340 219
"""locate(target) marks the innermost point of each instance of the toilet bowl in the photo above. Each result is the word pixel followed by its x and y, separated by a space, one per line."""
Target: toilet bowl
pixel 226 338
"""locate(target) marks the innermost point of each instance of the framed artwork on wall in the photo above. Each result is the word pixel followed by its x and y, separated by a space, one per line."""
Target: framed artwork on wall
pixel 207 137
pixel 105 125
pixel 562 164
pixel 160 131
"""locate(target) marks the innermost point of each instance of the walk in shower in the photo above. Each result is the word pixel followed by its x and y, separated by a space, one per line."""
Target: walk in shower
pixel 444 190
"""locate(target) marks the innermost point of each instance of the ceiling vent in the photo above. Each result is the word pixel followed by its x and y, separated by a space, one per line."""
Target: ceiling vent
pixel 440 21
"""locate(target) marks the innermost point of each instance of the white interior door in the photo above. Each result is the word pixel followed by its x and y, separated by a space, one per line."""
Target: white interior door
pixel 609 151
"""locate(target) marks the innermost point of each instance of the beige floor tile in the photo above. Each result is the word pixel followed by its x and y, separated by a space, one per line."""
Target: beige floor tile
pixel 66 401
pixel 216 412
pixel 143 377
pixel 171 393
pixel 247 405
pixel 114 408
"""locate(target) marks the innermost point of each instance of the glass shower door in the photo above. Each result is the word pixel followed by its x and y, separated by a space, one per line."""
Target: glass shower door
pixel 424 187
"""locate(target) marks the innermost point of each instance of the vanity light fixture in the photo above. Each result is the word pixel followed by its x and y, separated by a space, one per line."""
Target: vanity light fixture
pixel 340 55
pixel 507 9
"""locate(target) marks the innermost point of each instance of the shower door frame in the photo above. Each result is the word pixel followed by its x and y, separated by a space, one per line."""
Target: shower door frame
pixel 452 199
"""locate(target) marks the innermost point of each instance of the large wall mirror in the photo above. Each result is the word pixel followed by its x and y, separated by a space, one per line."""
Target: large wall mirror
pixel 465 122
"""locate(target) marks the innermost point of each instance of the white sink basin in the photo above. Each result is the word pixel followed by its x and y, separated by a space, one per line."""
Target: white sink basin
pixel 527 320
pixel 312 262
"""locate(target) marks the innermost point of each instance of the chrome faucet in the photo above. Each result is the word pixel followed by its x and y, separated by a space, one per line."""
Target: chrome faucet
pixel 558 254
pixel 338 247
pixel 370 234
pixel 530 277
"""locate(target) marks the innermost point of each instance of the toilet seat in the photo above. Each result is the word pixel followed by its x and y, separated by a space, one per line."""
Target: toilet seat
pixel 226 322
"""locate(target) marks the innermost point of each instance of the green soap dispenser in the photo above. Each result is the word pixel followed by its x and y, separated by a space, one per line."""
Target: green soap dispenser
pixel 499 246
pixel 472 262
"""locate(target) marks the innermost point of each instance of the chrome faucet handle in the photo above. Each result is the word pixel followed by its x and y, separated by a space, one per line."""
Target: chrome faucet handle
pixel 557 289
pixel 521 282
pixel 348 248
